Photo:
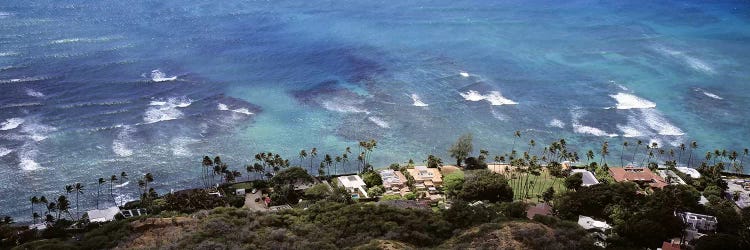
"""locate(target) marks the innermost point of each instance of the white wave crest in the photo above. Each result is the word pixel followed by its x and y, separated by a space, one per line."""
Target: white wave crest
pixel 158 76
pixel 37 131
pixel 33 93
pixel 119 145
pixel 464 73
pixel 556 123
pixel 123 184
pixel 417 101
pixel 10 53
pixel 494 97
pixel 582 129
pixel 629 101
pixel 224 107
pixel 180 145
pixel 343 106
pixel 83 40
pixel 629 131
pixel 709 94
pixel 5 151
pixel 659 123
pixel 11 123
pixel 24 79
pixel 26 158
pixel 165 110
pixel 380 122
pixel 692 62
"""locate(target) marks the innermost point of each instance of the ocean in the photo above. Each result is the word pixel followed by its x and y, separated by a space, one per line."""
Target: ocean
pixel 93 88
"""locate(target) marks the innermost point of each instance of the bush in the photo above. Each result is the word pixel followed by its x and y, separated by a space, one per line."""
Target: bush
pixel 375 191
pixel 410 196
pixel 371 178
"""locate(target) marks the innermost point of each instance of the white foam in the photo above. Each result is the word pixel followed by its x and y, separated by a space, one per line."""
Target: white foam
pixel 22 80
pixel 37 131
pixel 5 151
pixel 556 123
pixel 165 110
pixel 158 76
pixel 119 145
pixel 123 184
pixel 659 123
pixel 709 94
pixel 582 129
pixel 179 146
pixel 629 131
pixel 343 106
pixel 224 107
pixel 417 101
pixel 9 53
pixel 33 93
pixel 692 62
pixel 26 158
pixel 380 122
pixel 464 73
pixel 11 123
pixel 495 98
pixel 629 101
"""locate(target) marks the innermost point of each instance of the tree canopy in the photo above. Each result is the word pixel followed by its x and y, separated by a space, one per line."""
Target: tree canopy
pixel 461 148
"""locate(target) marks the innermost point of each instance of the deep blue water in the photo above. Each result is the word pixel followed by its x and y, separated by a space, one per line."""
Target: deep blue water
pixel 92 88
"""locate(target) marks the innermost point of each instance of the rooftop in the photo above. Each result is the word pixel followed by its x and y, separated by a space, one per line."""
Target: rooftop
pixel 588 178
pixel 351 181
pixel 590 223
pixel 637 174
pixel 391 177
pixel 103 215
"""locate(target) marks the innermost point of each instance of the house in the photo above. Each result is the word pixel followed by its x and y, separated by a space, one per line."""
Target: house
pixel 670 246
pixel 588 178
pixel 693 173
pixel 642 176
pixel 393 181
pixel 426 178
pixel 354 184
pixel 699 222
pixel 540 209
pixel 103 215
pixel 670 177
pixel 600 230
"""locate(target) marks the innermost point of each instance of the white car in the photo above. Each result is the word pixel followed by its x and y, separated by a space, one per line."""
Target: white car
pixel 255 190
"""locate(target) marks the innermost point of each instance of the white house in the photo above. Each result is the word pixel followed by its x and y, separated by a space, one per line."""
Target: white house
pixel 588 178
pixel 354 184
pixel 103 215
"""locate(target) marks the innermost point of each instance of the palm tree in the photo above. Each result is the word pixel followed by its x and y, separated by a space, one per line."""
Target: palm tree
pixel 44 201
pixel 34 200
pixel 744 153
pixel 638 144
pixel 693 145
pixel 604 152
pixel 328 161
pixel 338 161
pixel 622 151
pixel 516 135
pixel 682 150
pixel 63 205
pixel 249 169
pixel 345 160
pixel 78 190
pixel 302 156
pixel 590 156
pixel 123 178
pixel 204 167
pixel 112 180
pixel 98 190
pixel 313 155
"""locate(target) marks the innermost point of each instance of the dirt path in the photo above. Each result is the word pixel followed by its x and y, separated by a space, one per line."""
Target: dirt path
pixel 252 205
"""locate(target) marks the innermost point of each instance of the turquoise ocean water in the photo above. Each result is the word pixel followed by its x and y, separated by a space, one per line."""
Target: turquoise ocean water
pixel 93 88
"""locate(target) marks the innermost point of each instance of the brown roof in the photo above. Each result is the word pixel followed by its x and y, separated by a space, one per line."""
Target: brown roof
pixel 637 175
pixel 670 246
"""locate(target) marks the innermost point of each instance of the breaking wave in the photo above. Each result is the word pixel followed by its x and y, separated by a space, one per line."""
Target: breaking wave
pixel 659 123
pixel 5 151
pixel 158 76
pixel 494 97
pixel 693 62
pixel 582 129
pixel 343 106
pixel 119 145
pixel 417 101
pixel 556 123
pixel 33 93
pixel 224 107
pixel 709 94
pixel 24 79
pixel 464 73
pixel 11 123
pixel 629 101
pixel 380 122
pixel 165 110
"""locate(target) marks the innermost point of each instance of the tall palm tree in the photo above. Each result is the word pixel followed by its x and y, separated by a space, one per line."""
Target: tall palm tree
pixel 63 205
pixel 604 152
pixel 744 153
pixel 34 200
pixel 338 161
pixel 516 135
pixel 682 150
pixel 328 161
pixel 43 200
pixel 637 144
pixel 693 145
pixel 345 160
pixel 98 190
pixel 622 151
pixel 112 180
pixel 249 169
pixel 123 179
pixel 302 156
pixel 313 155
pixel 590 156
pixel 207 162
pixel 78 188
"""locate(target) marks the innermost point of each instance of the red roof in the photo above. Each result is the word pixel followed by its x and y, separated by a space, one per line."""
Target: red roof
pixel 670 246
pixel 637 175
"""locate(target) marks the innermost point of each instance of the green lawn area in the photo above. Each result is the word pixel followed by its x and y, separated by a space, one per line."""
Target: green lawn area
pixel 540 184
pixel 242 185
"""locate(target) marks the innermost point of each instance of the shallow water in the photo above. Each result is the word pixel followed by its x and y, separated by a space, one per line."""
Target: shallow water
pixel 91 89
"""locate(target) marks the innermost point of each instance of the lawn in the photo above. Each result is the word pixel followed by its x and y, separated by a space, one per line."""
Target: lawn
pixel 540 184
